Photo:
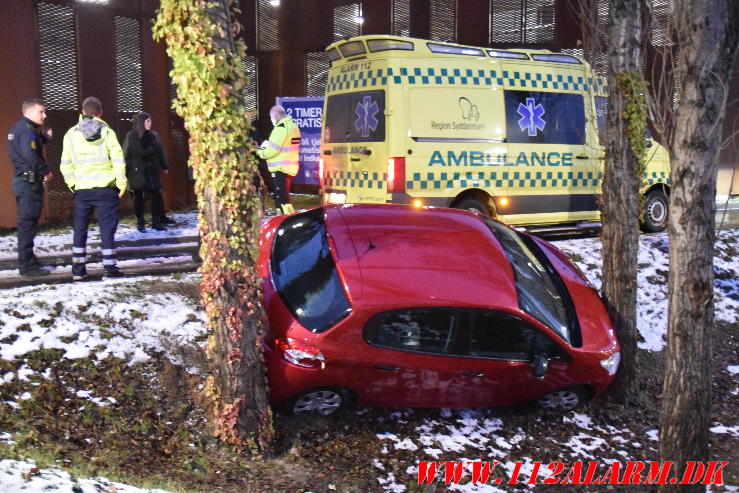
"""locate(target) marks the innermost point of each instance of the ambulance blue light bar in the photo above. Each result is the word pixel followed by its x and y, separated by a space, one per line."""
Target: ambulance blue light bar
pixel 507 54
pixel 454 50
pixel 556 57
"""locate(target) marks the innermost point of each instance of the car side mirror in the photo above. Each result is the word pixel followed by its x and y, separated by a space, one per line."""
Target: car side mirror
pixel 540 366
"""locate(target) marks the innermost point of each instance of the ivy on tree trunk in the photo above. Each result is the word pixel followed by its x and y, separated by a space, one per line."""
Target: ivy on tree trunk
pixel 201 40
pixel 627 116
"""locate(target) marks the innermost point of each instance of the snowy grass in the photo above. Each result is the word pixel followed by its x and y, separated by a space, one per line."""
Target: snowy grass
pixel 143 318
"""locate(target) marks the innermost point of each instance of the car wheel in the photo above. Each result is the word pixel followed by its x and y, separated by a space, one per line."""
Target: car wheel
pixel 324 402
pixel 473 205
pixel 562 399
pixel 655 212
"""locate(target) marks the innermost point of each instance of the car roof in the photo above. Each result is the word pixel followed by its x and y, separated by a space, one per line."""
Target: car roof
pixel 390 254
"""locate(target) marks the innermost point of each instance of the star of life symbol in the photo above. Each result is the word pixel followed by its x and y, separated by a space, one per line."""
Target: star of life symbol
pixel 531 117
pixel 366 120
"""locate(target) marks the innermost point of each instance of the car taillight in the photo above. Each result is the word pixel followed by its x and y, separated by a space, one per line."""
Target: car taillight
pixel 299 353
pixel 396 174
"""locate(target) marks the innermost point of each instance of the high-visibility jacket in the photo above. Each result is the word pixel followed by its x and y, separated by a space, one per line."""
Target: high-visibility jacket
pixel 282 150
pixel 92 156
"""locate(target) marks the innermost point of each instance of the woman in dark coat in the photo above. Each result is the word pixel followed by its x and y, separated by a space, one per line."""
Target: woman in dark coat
pixel 144 160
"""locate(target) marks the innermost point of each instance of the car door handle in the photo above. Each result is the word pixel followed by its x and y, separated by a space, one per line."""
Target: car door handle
pixel 473 374
pixel 387 368
pixel 353 159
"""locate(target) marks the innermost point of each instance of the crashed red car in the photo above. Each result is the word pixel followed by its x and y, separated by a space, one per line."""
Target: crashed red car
pixel 387 305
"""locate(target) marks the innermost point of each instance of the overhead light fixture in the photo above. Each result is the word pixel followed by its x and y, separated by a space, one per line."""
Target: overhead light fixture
pixel 359 19
pixel 274 3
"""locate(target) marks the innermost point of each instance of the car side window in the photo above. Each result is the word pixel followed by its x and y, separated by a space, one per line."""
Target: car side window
pixel 426 330
pixel 502 336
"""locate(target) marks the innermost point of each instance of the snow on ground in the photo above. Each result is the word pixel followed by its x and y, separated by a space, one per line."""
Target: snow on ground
pixel 61 242
pixel 67 317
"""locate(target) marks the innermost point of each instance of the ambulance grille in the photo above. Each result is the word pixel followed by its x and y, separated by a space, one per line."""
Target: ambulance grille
pixel 251 95
pixel 316 73
pixel 56 31
pixel 443 26
pixel 267 25
pixel 401 17
pixel 347 21
pixel 128 65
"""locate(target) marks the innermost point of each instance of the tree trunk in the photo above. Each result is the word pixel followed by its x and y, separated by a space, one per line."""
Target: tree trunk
pixel 707 38
pixel 620 206
pixel 207 69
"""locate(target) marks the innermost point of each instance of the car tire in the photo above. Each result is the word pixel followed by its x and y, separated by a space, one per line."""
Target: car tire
pixel 323 402
pixel 473 205
pixel 655 211
pixel 563 400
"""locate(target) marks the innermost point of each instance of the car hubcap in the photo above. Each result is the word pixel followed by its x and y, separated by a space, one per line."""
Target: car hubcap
pixel 657 211
pixel 562 399
pixel 322 402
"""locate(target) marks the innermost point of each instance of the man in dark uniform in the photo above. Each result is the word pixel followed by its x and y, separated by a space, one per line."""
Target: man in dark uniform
pixel 30 172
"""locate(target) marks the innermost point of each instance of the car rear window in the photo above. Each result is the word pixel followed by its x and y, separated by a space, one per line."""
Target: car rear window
pixel 541 292
pixel 304 272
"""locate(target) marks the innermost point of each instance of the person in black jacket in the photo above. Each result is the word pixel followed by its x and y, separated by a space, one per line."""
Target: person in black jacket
pixel 30 172
pixel 145 158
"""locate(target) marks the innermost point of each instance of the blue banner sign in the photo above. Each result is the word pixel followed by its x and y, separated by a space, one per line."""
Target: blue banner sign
pixel 307 114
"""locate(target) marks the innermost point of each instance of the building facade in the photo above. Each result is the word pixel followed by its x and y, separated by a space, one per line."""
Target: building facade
pixel 66 50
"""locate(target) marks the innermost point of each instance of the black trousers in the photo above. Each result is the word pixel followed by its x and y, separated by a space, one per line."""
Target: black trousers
pixel 29 198
pixel 157 205
pixel 281 190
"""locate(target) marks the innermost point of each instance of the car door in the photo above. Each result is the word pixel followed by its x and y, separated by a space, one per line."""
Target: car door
pixel 411 359
pixel 499 349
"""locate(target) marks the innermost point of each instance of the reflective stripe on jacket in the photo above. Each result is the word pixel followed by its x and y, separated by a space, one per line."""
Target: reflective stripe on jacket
pixel 282 150
pixel 92 164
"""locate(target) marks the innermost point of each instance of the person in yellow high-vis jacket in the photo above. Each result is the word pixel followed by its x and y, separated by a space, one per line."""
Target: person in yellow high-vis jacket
pixel 281 151
pixel 93 168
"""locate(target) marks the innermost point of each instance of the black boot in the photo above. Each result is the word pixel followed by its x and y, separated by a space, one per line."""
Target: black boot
pixel 158 226
pixel 141 226
pixel 168 221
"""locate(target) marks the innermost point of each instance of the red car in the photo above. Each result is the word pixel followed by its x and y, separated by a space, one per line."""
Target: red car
pixel 388 305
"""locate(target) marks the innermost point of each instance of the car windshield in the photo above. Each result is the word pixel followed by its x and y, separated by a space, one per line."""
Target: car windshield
pixel 304 273
pixel 538 292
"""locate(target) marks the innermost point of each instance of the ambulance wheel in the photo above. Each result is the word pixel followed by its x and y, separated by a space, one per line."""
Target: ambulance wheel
pixel 655 212
pixel 474 205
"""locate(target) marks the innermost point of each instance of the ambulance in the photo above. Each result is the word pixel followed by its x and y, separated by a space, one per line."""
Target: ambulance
pixel 513 134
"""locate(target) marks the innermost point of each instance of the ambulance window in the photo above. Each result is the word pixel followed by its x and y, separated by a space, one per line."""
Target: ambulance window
pixel 544 118
pixel 355 117
pixel 333 54
pixel 376 45
pixel 352 48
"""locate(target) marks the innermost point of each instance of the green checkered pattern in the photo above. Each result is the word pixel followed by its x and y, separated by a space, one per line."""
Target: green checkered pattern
pixel 355 179
pixel 499 179
pixel 656 177
pixel 464 77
